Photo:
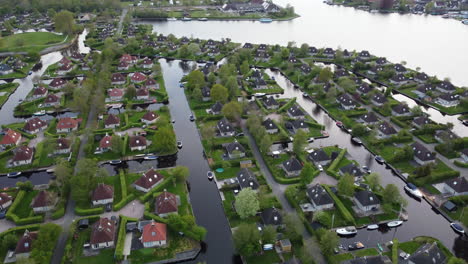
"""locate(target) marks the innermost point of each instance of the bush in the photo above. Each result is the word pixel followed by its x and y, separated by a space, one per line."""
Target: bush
pixel 337 161
pixel 30 220
pixel 460 164
pixel 341 207
pixel 90 211
pixel 124 202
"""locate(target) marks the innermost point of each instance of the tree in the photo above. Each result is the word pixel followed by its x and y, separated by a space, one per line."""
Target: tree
pixel 84 180
pixel 64 22
pixel 184 52
pixel 231 85
pixel 455 260
pixel 181 173
pixel 25 186
pixel 391 194
pixel 306 253
pixel 307 173
pixel 328 241
pixel 269 234
pixel 130 92
pixel 165 140
pixel 247 203
pixel 43 246
pixel 373 180
pixel 9 241
pixel 325 75
pixel 331 93
pixel 265 143
pixel 359 130
pixel 285 53
pixel 346 185
pixel 292 227
pixel 116 144
pixel 62 173
pixel 219 93
pixel 232 110
pixel 246 239
pixel 299 142
pixel 195 79
pixel 245 68
pixel 193 48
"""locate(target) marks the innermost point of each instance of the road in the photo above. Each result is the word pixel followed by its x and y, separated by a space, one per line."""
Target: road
pixel 122 17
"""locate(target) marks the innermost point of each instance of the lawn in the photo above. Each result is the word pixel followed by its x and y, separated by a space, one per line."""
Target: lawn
pixel 366 252
pixel 267 257
pixel 6 90
pixel 24 209
pixel 31 41
pixel 105 256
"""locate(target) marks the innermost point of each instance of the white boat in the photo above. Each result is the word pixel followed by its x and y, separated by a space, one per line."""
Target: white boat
pixel 172 19
pixel 210 175
pixel 413 190
pixel 140 155
pixel 457 227
pixel 40 113
pixel 347 231
pixel 150 157
pixel 394 223
pixel 186 19
pixel 203 19
pixel 259 94
pixel 372 227
pixel 465 21
pixel 14 174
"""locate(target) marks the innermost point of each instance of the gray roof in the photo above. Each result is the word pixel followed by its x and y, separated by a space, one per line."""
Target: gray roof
pixel 247 179
pixel 366 198
pixel 5 67
pixel 345 99
pixel 319 195
pixel 387 129
pixel 292 164
pixel 364 88
pixel 271 216
pixel 206 92
pixel 217 107
pixel 235 146
pixel 295 111
pixel 269 124
pixel 428 253
pixel 269 101
pixel 225 126
pixel 459 184
pixel 298 123
pixel 401 109
pixel 421 120
pixel 379 98
pixel 446 86
pixel 422 153
pixel 352 169
pixel 318 155
pixel 370 117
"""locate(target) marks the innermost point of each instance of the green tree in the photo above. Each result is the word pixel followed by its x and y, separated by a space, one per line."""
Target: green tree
pixel 325 75
pixel 63 173
pixel 219 93
pixel 269 234
pixel 184 52
pixel 391 194
pixel 374 180
pixel 9 241
pixel 246 239
pixel 84 180
pixel 328 240
pixel 232 111
pixel 130 92
pixel 307 173
pixel 64 22
pixel 245 68
pixel 285 53
pixel 116 144
pixel 193 49
pixel 181 173
pixel 231 85
pixel 292 228
pixel 455 260
pixel 299 142
pixel 195 79
pixel 247 203
pixel 359 130
pixel 43 246
pixel 265 143
pixel 346 185
pixel 165 140
pixel 197 94
pixel 322 217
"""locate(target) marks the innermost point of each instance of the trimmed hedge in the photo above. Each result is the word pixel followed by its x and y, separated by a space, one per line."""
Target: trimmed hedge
pixel 90 211
pixel 395 251
pixel 287 105
pixel 30 220
pixel 398 122
pixel 119 247
pixel 433 178
pixel 337 161
pixel 10 215
pixel 32 227
pixel 460 164
pixel 124 202
pixel 341 207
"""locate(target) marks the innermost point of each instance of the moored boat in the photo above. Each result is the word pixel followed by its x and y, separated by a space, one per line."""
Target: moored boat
pixel 413 190
pixel 394 223
pixel 347 231
pixel 265 20
pixel 203 19
pixel 40 113
pixel 457 227
pixel 356 245
pixel 14 174
pixel 372 227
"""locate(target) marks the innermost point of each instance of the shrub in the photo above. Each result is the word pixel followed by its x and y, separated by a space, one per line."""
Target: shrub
pixel 341 207
pixel 337 161
pixel 90 211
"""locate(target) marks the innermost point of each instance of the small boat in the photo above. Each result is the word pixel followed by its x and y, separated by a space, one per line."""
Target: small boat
pixel 347 231
pixel 394 223
pixel 265 20
pixel 339 124
pixel 457 227
pixel 179 144
pixel 356 245
pixel 203 19
pixel 150 157
pixel 465 21
pixel 380 247
pixel 192 118
pixel 305 95
pixel 50 170
pixel 356 141
pixel 259 94
pixel 40 113
pixel 14 174
pixel 366 169
pixel 465 122
pixel 30 72
pixel 115 162
pixel 379 159
pixel 413 190
pixel 172 19
pixel 140 155
pixel 186 19
pixel 372 227
pixel 210 175
pixel 446 16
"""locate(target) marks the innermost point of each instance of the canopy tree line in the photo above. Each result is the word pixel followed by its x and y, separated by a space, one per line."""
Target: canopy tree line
pixel 44 5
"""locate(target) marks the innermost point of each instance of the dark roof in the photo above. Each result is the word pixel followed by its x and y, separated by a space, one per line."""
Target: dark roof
pixel 422 76
pixel 364 88
pixel 292 164
pixel 428 253
pixel 63 143
pixel 235 146
pixel 366 198
pixel 42 199
pixel 319 195
pixel 298 123
pixel 269 124
pixel 112 120
pixel 247 179
pixel 269 101
pixel 449 97
pixel 102 231
pixel 459 184
pixel 206 92
pixel 318 155
pixel 166 202
pixel 379 98
pixel 370 117
pixel 421 120
pixel 387 129
pixel 103 192
pixel 33 124
pixel 225 126
pixel 401 109
pixel 295 111
pixel 381 60
pixel 345 99
pixel 446 86
pixel 271 216
pixel 352 169
pixel 421 152
pixel 400 68
pixel 24 244
pixel 217 107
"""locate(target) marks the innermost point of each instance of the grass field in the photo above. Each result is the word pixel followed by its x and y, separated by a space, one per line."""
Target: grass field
pixel 31 42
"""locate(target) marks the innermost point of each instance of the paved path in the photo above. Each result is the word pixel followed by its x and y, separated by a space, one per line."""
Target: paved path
pixel 128 244
pixel 122 17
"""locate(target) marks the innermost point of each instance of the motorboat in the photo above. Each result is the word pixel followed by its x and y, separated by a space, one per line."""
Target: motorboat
pixel 150 157
pixel 366 169
pixel 465 21
pixel 413 190
pixel 457 227
pixel 265 20
pixel 210 175
pixel 379 159
pixel 372 227
pixel 14 174
pixel 394 223
pixel 356 245
pixel 140 155
pixel 179 144
pixel 115 162
pixel 203 19
pixel 40 113
pixel 356 141
pixel 339 124
pixel 186 19
pixel 172 19
pixel 305 95
pixel 347 231
pixel 192 118
pixel 259 94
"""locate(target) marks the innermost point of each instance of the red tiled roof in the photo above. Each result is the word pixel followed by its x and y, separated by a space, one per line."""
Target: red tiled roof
pixel 102 231
pixel 117 77
pixel 64 61
pixel 105 142
pixel 123 64
pixel 4 198
pixel 127 58
pixel 33 124
pixel 65 67
pixel 103 192
pixel 57 82
pixel 115 92
pixel 23 153
pixel 67 122
pixel 136 141
pixel 142 92
pixel 166 202
pixel 63 143
pixel 112 120
pixel 154 232
pixel 150 81
pixel 41 90
pixel 147 61
pixel 24 244
pixel 11 138
pixel 148 179
pixel 138 77
pixel 42 199
pixel 149 116
pixel 51 98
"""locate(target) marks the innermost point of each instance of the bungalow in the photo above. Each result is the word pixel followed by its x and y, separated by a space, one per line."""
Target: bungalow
pixel 445 136
pixel 115 94
pixel 166 203
pixel 428 253
pixel 401 110
pixel 464 155
pixel 5 200
pixel 105 143
pixel 313 50
pixel 421 121
pixel 51 100
pixel 421 77
pixel 262 47
pixel 23 155
pixel 118 79
pixel 123 66
pixel 39 92
pixel 368 119
pixel 149 117
pixel 259 84
pixel 43 202
pixel 319 198
pixel 63 146
pixel 305 69
pixel 65 69
pixel 184 40
pixel 375 70
pixel 262 56
pixel 127 58
pixel 63 61
pixel 423 90
pixel 456 187
pixel 235 150
pixel 295 112
pixel 346 53
pixel 296 125
pixel 142 94
pixel 422 155
pixel 247 46
pixel 103 194
pixel 147 63
pixel 211 43
pixel 154 235
pixel 271 216
pixel 399 79
pixel 137 143
pixel 206 94
pixel 364 88
pixel 11 138
pixel 346 102
pixel 400 69
pixel 67 124
pixel 102 233
pixel 446 87
pixel 247 179
pixel 366 201
pixel 385 130
pixel 24 246
pixel 329 52
pixel 340 73
pixel 381 61
pixel 448 100
pixel 270 126
pixel 34 125
pixel 112 121
pixel 148 180
pixel 57 84
pixel 319 157
pixel 150 83
pixel 138 77
pixel 5 69
pixel 270 103
pixel 352 170
pixel 225 128
pixel 161 39
pixel 364 55
pixel 216 108
pixel 292 167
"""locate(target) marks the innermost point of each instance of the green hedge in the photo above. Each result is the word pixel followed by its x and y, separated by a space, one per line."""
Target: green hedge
pixel 341 207
pixel 125 144
pixel 337 161
pixel 433 178
pixel 395 251
pixel 10 215
pixel 30 220
pixel 90 211
pixel 119 247
pixel 287 105
pixel 460 164
pixel 7 152
pixel 398 122
pixel 32 227
pixel 59 210
pixel 124 202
